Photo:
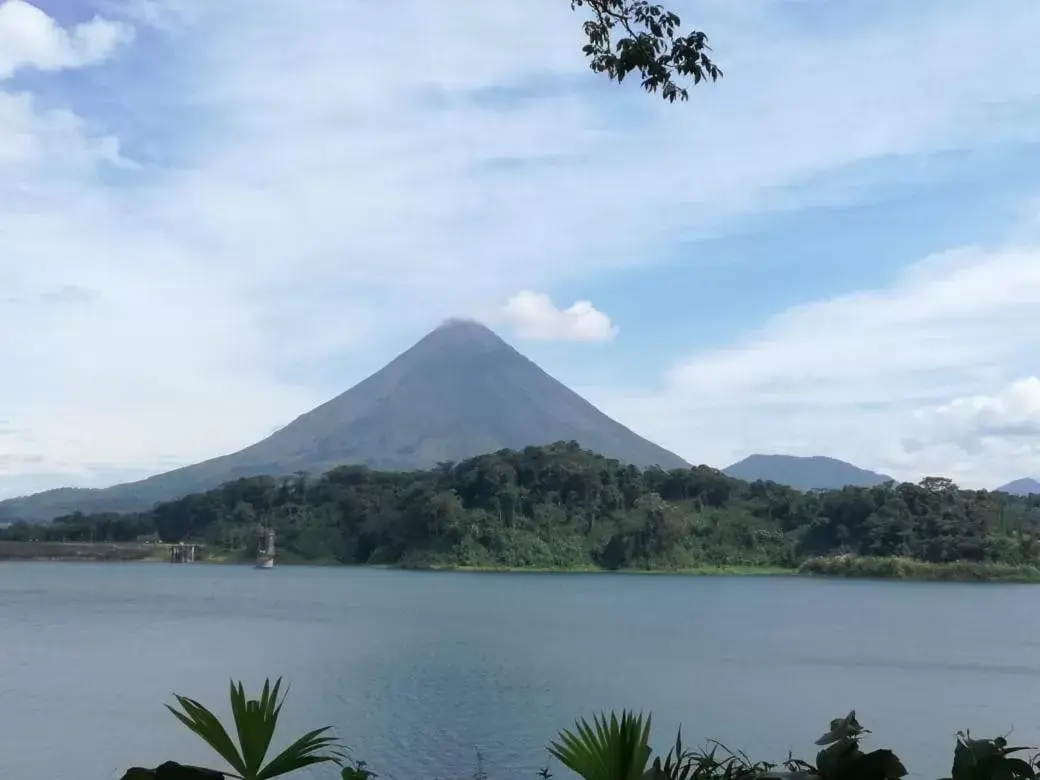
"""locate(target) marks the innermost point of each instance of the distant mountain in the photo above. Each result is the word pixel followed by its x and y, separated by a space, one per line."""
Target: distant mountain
pixel 460 391
pixel 1021 487
pixel 804 473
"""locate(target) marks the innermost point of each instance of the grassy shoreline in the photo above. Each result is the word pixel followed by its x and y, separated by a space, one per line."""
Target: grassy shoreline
pixel 834 567
pixel 853 567
pixel 702 571
pixel 112 552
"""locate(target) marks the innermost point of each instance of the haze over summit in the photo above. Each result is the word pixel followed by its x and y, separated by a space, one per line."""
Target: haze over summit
pixel 834 251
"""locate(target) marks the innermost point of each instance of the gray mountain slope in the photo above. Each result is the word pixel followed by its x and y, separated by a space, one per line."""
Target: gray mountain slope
pixel 804 473
pixel 1021 487
pixel 460 391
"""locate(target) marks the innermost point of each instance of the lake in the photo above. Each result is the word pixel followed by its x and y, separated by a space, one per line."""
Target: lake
pixel 420 671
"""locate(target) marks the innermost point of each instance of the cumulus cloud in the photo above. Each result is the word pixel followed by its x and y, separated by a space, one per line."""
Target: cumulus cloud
pixel 1011 416
pixel 533 316
pixel 318 199
pixel 869 377
pixel 29 38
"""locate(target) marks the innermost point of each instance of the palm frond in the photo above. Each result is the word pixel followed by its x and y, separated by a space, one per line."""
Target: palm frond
pixel 312 748
pixel 255 723
pixel 606 749
pixel 208 726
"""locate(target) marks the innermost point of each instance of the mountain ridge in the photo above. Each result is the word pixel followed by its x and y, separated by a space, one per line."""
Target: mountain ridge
pixel 813 472
pixel 458 392
pixel 1026 486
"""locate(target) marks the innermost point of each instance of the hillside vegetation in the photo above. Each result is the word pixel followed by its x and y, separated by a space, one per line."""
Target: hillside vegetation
pixel 564 507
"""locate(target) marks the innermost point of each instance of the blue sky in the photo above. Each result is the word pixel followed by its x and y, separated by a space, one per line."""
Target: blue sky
pixel 216 215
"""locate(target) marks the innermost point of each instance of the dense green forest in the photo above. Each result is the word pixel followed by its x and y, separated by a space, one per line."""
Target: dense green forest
pixel 563 507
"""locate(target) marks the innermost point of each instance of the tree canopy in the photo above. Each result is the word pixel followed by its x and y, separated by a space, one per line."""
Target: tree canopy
pixel 626 37
pixel 564 507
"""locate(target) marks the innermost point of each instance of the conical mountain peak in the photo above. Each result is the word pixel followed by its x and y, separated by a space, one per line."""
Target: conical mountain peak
pixel 1021 487
pixel 460 332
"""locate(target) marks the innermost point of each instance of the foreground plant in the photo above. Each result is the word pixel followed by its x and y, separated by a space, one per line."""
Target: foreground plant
pixel 619 749
pixel 842 758
pixel 983 759
pixel 607 749
pixel 171 770
pixel 255 724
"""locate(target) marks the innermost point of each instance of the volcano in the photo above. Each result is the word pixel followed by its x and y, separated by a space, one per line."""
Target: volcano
pixel 460 391
pixel 1021 487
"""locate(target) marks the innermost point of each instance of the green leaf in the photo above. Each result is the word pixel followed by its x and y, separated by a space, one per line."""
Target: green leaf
pixel 606 750
pixel 255 723
pixel 311 748
pixel 207 726
pixel 644 37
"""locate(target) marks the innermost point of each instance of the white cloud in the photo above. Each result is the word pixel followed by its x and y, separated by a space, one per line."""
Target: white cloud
pixel 1005 425
pixel 31 39
pixel 533 316
pixel 336 184
pixel 41 149
pixel 869 377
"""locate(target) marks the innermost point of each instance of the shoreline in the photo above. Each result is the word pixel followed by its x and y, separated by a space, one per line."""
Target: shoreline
pixel 829 567
pixel 696 571
pixel 230 560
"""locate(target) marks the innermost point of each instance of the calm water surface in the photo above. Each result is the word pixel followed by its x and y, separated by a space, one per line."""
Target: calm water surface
pixel 419 671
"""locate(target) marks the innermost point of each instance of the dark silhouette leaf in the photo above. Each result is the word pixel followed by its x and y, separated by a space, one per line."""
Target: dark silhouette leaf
pixel 171 770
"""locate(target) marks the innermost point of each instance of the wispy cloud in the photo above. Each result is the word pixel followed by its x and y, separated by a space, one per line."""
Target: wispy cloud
pixel 327 182
pixel 922 377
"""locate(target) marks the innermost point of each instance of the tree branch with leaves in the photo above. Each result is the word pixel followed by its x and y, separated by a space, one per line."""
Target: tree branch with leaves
pixel 637 36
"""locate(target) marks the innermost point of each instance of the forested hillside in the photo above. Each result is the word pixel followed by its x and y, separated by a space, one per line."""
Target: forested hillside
pixel 561 506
